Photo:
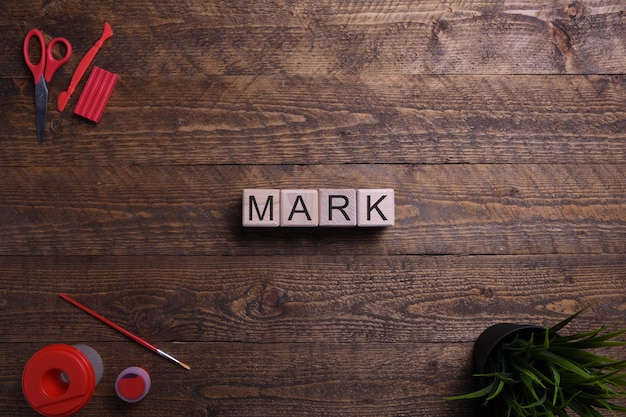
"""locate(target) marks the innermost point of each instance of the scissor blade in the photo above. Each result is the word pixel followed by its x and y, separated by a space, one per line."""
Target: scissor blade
pixel 41 107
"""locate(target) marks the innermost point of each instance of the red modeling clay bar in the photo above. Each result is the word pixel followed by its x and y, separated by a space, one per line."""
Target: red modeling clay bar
pixel 95 95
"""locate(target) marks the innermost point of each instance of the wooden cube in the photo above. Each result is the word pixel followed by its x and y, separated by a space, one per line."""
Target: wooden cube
pixel 261 207
pixel 299 208
pixel 375 207
pixel 337 207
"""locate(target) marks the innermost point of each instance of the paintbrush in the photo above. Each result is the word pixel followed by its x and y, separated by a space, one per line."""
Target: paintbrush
pixel 124 331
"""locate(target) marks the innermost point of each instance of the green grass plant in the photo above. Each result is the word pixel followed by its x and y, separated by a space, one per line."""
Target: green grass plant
pixel 546 374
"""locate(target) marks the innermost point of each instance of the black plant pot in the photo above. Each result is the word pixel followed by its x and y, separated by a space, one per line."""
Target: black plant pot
pixel 492 336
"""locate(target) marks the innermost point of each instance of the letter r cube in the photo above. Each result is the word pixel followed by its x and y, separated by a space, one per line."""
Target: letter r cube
pixel 337 207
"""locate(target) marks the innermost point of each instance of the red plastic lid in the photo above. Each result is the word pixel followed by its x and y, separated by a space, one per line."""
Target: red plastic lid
pixel 58 380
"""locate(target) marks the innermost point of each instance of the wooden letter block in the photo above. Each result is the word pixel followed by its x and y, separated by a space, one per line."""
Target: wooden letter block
pixel 299 208
pixel 375 207
pixel 337 207
pixel 261 208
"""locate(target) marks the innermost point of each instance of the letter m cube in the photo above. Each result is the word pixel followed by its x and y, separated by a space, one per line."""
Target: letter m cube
pixel 261 208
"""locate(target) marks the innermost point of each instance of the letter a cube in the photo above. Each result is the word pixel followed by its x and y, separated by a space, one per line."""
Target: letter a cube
pixel 299 208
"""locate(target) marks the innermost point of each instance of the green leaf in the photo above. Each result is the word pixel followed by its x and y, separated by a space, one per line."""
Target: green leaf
pixel 497 391
pixel 555 329
pixel 475 394
pixel 535 404
pixel 564 363
pixel 557 382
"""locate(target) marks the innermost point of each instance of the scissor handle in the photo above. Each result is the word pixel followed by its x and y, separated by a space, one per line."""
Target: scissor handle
pixel 53 64
pixel 36 69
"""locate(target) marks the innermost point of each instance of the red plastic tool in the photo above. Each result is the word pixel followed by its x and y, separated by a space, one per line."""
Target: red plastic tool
pixel 64 97
pixel 95 96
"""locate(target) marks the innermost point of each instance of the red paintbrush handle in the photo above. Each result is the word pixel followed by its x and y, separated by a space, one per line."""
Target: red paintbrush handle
pixel 110 323
pixel 123 331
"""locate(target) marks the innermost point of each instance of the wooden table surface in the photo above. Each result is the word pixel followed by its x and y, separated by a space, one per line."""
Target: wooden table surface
pixel 501 126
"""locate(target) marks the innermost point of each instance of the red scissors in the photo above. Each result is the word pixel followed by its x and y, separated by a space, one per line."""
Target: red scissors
pixel 43 72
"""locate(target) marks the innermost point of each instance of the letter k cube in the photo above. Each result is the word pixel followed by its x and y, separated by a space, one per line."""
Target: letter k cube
pixel 375 207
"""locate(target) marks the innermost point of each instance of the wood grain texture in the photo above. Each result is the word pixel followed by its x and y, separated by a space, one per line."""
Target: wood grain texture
pixel 278 379
pixel 312 37
pixel 329 120
pixel 385 335
pixel 499 124
pixel 305 299
pixel 440 209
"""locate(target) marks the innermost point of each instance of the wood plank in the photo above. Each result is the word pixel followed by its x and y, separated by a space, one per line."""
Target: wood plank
pixel 374 37
pixel 500 126
pixel 440 209
pixel 327 120
pixel 304 299
pixel 303 379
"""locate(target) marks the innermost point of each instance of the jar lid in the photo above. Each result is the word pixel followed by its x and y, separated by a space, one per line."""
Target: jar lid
pixel 58 380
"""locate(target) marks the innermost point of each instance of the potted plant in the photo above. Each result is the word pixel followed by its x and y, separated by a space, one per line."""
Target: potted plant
pixel 534 371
